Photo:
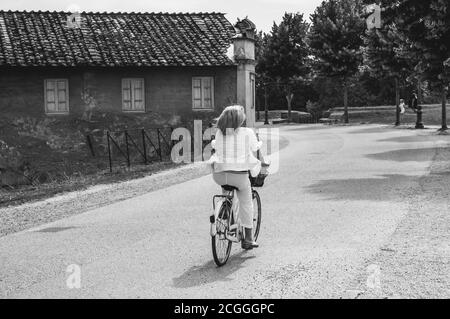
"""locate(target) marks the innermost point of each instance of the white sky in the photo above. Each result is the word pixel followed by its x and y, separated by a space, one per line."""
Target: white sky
pixel 261 12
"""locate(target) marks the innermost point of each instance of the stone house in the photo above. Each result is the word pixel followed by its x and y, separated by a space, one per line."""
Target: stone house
pixel 72 64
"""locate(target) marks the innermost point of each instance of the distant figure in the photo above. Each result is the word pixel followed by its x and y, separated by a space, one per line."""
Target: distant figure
pixel 413 102
pixel 402 106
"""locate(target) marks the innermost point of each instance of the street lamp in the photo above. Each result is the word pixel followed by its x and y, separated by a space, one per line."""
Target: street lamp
pixel 419 124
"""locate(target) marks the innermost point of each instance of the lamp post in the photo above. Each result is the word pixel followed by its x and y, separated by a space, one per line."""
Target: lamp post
pixel 419 124
pixel 444 111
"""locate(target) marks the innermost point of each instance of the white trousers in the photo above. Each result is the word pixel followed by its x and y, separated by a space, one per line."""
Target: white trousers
pixel 244 194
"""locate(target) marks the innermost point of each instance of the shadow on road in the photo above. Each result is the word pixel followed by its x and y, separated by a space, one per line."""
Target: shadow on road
pixel 359 189
pixel 209 272
pixel 406 155
pixel 371 129
pixel 415 139
pixel 313 127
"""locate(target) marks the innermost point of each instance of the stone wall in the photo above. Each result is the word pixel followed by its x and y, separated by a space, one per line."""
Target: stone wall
pixel 167 90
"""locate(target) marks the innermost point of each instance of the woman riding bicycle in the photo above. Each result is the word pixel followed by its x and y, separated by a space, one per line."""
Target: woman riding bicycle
pixel 234 157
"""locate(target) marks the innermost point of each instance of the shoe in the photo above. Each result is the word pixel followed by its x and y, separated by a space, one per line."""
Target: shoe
pixel 249 245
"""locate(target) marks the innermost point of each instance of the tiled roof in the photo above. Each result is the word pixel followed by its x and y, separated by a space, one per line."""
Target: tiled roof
pixel 114 39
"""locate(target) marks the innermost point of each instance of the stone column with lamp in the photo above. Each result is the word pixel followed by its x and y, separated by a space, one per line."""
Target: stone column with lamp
pixel 244 56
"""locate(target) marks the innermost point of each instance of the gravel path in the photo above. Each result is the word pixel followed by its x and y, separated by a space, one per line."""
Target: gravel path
pixel 17 218
pixel 415 261
pixel 21 217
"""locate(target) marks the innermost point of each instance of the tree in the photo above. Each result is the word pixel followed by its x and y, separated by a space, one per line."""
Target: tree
pixel 335 40
pixel 381 48
pixel 284 59
pixel 261 40
pixel 425 26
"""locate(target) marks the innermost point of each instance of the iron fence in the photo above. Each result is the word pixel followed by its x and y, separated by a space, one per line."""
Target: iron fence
pixel 145 145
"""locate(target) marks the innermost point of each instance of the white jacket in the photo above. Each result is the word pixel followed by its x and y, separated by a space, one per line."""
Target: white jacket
pixel 235 152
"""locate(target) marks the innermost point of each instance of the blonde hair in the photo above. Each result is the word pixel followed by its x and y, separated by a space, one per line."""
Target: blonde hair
pixel 231 118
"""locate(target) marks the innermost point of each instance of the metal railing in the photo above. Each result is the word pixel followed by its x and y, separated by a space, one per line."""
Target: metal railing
pixel 129 144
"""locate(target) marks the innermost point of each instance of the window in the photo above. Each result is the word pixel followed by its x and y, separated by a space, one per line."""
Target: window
pixel 202 93
pixel 133 95
pixel 56 96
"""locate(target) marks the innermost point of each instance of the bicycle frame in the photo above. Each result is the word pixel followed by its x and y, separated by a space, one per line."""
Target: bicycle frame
pixel 226 228
pixel 231 199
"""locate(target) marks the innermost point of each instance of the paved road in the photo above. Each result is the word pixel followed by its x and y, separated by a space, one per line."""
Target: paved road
pixel 337 197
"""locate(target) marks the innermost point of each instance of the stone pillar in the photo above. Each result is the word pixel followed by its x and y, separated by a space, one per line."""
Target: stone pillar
pixel 244 56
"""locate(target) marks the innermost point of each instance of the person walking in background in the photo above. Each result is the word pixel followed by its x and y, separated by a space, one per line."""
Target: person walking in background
pixel 402 106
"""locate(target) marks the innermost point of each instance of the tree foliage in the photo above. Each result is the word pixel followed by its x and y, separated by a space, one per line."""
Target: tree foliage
pixel 335 38
pixel 382 53
pixel 286 54
pixel 382 50
pixel 285 59
pixel 413 42
pixel 425 25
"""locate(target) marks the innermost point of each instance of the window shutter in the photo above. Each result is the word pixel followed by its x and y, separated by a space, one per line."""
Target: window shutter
pixel 50 90
pixel 133 95
pixel 138 96
pixel 203 93
pixel 126 95
pixel 61 87
pixel 56 96
pixel 197 93
pixel 207 93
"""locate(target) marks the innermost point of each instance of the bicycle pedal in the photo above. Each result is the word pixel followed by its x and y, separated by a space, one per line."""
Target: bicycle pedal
pixel 232 237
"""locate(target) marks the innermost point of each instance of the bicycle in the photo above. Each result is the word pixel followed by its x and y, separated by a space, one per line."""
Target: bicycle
pixel 225 226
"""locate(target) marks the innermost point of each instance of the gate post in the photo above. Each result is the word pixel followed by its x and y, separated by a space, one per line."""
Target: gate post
pixel 128 149
pixel 144 146
pixel 109 152
pixel 159 145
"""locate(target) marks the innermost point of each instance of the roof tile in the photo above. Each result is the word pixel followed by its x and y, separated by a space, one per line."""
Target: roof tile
pixel 114 39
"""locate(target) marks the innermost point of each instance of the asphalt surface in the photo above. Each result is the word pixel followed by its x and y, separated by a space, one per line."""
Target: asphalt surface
pixel 339 195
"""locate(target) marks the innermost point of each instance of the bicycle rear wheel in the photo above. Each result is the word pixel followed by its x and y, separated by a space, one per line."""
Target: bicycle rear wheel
pixel 221 246
pixel 256 214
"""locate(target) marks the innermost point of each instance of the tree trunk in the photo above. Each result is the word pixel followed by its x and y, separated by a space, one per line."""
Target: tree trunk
pixel 444 109
pixel 345 102
pixel 289 98
pixel 397 103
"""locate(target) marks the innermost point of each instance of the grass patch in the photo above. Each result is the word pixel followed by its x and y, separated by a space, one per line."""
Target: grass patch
pixel 386 115
pixel 78 182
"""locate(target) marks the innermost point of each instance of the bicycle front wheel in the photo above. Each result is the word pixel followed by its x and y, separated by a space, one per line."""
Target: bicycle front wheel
pixel 221 246
pixel 256 214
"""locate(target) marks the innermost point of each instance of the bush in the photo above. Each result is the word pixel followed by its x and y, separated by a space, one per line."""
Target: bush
pixel 10 158
pixel 314 108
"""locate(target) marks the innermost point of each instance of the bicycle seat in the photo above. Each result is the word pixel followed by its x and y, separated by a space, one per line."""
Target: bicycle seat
pixel 229 188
